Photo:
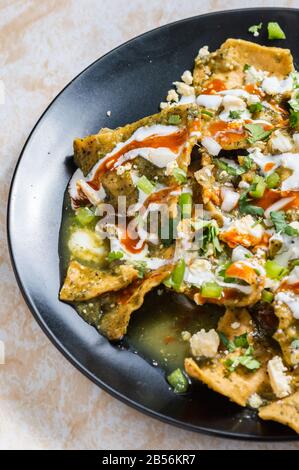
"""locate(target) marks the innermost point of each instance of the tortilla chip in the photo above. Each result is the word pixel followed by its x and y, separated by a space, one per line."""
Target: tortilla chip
pixel 89 150
pixel 285 411
pixel 84 283
pixel 239 385
pixel 231 316
pixel 288 329
pixel 119 185
pixel 115 320
pixel 227 63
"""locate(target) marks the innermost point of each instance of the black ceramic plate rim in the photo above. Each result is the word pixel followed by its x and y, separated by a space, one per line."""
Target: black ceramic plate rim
pixel 38 317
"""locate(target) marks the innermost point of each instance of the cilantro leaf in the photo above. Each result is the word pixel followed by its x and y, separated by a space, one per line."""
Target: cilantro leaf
pixel 257 133
pixel 255 28
pixel 235 114
pixel 247 162
pixel 142 268
pixel 249 362
pixel 255 108
pixel 279 221
pixel 246 208
pixel 241 341
pixel 294 103
pixel 209 237
pixel 225 341
pixel 114 255
pixel 231 170
pixel 294 118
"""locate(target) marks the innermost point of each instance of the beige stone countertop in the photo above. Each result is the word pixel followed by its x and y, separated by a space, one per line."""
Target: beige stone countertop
pixel 45 403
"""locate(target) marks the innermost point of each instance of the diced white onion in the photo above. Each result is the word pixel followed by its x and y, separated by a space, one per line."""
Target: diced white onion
pixel 211 145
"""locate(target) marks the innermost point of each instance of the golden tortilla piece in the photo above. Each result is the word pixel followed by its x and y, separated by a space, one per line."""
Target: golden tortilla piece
pixel 239 385
pixel 285 411
pixel 228 61
pixel 84 283
pixel 115 319
pixel 89 150
pixel 119 185
pixel 288 329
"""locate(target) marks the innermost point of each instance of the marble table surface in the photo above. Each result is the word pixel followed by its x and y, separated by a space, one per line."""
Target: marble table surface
pixel 45 403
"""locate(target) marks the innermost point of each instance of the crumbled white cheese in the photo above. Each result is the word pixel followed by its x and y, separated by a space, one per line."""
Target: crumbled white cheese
pixel 211 145
pixel 184 89
pixel 198 272
pixel 164 105
pixel 281 142
pixel 172 96
pixel 235 325
pixel 252 75
pixel 108 113
pixel 187 77
pixel 255 401
pixel 203 52
pixel 273 86
pixel 280 382
pixel 205 343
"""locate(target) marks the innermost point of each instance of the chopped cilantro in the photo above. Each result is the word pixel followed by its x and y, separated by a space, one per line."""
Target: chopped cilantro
pixel 294 103
pixel 247 360
pixel 294 118
pixel 255 108
pixel 246 67
pixel 247 162
pixel 225 341
pixel 246 208
pixel 235 114
pixel 255 28
pixel 231 170
pixel 210 232
pixel 114 255
pixel 241 341
pixel 141 267
pixel 279 221
pixel 275 31
pixel 257 133
pixel 174 119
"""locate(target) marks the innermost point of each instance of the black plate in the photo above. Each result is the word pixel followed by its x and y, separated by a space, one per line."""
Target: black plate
pixel 130 81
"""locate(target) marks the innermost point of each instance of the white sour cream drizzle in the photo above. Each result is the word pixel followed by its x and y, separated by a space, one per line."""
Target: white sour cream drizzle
pixel 80 189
